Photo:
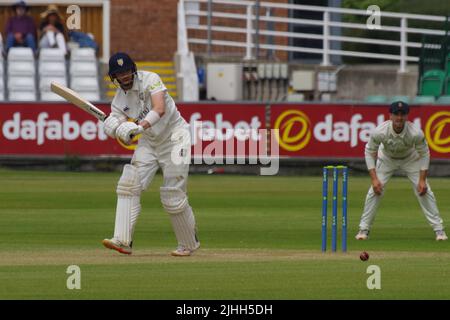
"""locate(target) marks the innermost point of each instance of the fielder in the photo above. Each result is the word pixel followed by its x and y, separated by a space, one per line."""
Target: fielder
pixel 143 107
pixel 399 146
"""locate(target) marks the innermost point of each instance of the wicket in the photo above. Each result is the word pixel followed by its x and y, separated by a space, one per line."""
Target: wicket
pixel 334 221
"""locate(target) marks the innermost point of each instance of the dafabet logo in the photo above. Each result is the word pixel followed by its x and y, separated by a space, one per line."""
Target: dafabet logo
pixel 294 130
pixel 437 131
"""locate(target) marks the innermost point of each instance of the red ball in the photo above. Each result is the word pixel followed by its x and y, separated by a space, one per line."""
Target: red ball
pixel 364 256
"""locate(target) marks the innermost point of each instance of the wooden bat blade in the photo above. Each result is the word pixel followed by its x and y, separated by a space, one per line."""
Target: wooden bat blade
pixel 74 98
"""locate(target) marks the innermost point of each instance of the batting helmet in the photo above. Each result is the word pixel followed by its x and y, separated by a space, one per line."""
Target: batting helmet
pixel 120 62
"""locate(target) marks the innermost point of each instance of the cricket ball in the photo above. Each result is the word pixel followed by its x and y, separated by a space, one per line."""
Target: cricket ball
pixel 364 256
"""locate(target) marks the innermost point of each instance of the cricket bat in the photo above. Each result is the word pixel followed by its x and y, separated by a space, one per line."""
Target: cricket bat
pixel 74 98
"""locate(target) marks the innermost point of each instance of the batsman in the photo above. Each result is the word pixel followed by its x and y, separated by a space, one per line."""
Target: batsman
pixel 142 107
pixel 397 144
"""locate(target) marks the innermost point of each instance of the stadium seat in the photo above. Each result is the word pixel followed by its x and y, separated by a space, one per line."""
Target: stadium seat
pixel 21 84
pixel 56 68
pixel 423 99
pixel 84 73
pixel 84 84
pixel 443 100
pixel 44 82
pixel 50 96
pixel 432 83
pixel 2 88
pixel 21 68
pixel 22 96
pixel 447 65
pixel 52 67
pixel 20 54
pixel 2 83
pixel 51 54
pixel 376 99
pixel 83 54
pixel 404 99
pixel 90 95
pixel 83 69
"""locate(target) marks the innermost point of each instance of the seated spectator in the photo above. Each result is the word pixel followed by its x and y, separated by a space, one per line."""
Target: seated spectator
pixel 52 29
pixel 83 40
pixel 21 28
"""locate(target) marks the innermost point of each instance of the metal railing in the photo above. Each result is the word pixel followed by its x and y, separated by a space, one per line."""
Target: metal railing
pixel 252 9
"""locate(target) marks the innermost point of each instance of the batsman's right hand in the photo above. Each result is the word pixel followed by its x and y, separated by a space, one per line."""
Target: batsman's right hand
pixel 127 131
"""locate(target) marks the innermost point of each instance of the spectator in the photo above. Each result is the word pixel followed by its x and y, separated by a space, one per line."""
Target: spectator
pixel 21 28
pixel 84 40
pixel 52 29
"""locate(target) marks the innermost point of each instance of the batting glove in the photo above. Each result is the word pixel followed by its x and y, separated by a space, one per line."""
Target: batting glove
pixel 127 131
pixel 110 126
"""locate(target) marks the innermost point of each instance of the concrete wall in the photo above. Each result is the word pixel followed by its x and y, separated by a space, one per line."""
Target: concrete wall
pixel 359 81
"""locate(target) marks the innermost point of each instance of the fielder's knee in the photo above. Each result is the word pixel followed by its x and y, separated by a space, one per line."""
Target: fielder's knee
pixel 129 183
pixel 174 200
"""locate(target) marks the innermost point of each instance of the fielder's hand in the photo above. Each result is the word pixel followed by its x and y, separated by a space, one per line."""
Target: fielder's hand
pixel 422 187
pixel 127 131
pixel 377 186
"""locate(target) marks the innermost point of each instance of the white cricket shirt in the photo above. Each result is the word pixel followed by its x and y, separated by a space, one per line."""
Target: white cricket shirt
pixel 387 143
pixel 136 103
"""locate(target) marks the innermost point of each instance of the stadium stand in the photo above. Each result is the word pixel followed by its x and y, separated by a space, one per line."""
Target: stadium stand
pixel 23 83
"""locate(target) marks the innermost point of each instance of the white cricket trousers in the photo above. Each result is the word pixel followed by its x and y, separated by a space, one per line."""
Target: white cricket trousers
pixel 173 157
pixel 385 168
pixel 148 159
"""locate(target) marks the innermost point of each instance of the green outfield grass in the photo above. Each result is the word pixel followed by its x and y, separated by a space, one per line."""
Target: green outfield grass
pixel 260 240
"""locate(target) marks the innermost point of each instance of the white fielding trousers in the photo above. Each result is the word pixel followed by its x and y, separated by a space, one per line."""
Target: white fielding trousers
pixel 385 168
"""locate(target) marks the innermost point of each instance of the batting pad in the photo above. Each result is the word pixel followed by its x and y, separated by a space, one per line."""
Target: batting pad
pixel 176 204
pixel 174 200
pixel 184 227
pixel 128 204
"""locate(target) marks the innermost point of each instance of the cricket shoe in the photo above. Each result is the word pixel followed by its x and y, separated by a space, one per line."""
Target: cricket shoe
pixel 362 235
pixel 441 236
pixel 117 245
pixel 182 251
